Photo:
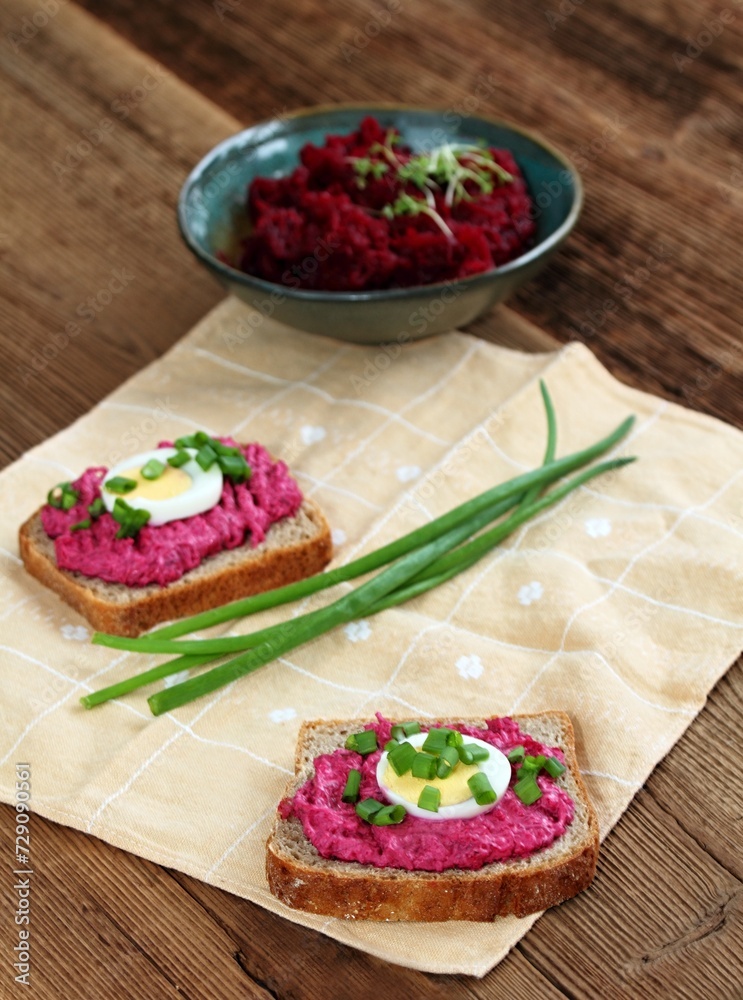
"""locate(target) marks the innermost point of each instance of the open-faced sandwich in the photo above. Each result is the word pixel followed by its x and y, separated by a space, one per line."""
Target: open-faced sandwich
pixel 464 819
pixel 174 531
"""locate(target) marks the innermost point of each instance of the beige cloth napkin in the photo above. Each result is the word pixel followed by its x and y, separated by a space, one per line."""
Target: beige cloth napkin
pixel 620 606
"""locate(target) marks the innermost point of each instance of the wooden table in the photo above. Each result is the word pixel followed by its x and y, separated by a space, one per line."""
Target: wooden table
pixel 101 118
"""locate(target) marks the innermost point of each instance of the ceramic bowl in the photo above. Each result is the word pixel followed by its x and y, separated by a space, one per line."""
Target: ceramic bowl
pixel 211 215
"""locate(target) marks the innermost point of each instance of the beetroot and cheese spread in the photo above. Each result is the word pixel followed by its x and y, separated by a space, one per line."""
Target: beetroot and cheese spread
pixel 162 554
pixel 508 831
pixel 364 212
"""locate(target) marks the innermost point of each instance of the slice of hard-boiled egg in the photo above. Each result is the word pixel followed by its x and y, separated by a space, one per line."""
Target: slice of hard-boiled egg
pixel 457 800
pixel 174 494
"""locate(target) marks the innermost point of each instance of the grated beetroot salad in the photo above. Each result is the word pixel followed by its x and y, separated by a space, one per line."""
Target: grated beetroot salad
pixel 163 554
pixel 322 227
pixel 510 830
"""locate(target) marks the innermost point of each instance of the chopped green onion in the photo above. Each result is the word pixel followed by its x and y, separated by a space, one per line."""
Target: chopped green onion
pixel 79 525
pixel 202 438
pixel 187 441
pixel 152 469
pixel 424 766
pixel 206 456
pixel 120 484
pixel 388 816
pixel 527 789
pixel 516 756
pixel 97 507
pixel 455 738
pixel 430 798
pixel 235 467
pixel 531 765
pixel 402 757
pixel 131 519
pixel 478 753
pixel 482 789
pixel 225 449
pixel 367 807
pixel 364 742
pixel 465 753
pixel 180 458
pixel 63 496
pixel 391 744
pixel 435 740
pixel 405 729
pixel 553 767
pixel 448 760
pixel 353 783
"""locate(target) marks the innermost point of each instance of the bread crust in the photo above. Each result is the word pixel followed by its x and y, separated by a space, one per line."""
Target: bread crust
pixel 236 573
pixel 356 891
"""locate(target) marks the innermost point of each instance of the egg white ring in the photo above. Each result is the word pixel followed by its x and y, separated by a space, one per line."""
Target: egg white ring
pixel 204 492
pixel 497 767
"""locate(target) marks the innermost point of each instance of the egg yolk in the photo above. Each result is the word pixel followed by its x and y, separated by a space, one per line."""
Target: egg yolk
pixel 171 483
pixel 454 789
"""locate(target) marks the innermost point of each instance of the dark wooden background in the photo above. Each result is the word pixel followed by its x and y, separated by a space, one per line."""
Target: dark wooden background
pixel 102 113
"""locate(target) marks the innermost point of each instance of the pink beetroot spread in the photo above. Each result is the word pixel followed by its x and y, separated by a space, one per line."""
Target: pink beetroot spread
pixel 163 554
pixel 510 830
pixel 317 228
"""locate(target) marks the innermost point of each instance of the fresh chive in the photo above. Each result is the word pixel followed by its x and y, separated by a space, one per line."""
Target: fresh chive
pixel 455 738
pixel 367 807
pixel 79 525
pixel 204 650
pixel 120 484
pixel 448 760
pixel 206 456
pixel 435 740
pixel 465 753
pixel 527 789
pixel 162 670
pixel 353 783
pixel 187 441
pixel 531 765
pixel 180 458
pixel 225 449
pixel 152 469
pixel 201 438
pixel 130 519
pixel 433 575
pixel 554 767
pixel 402 730
pixel 391 744
pixel 517 754
pixel 364 742
pixel 402 757
pixel 235 467
pixel 481 789
pixel 96 508
pixel 388 816
pixel 430 799
pixel 424 766
pixel 510 490
pixel 478 753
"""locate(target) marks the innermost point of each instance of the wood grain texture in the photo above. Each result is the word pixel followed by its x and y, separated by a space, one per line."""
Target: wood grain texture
pixel 646 280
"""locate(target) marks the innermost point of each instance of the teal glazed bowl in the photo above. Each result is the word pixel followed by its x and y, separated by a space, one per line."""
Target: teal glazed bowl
pixel 212 220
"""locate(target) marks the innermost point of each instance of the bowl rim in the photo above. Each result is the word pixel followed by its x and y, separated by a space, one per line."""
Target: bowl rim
pixel 233 275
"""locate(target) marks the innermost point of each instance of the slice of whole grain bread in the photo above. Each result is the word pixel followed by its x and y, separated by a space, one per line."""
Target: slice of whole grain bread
pixel 302 879
pixel 293 548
